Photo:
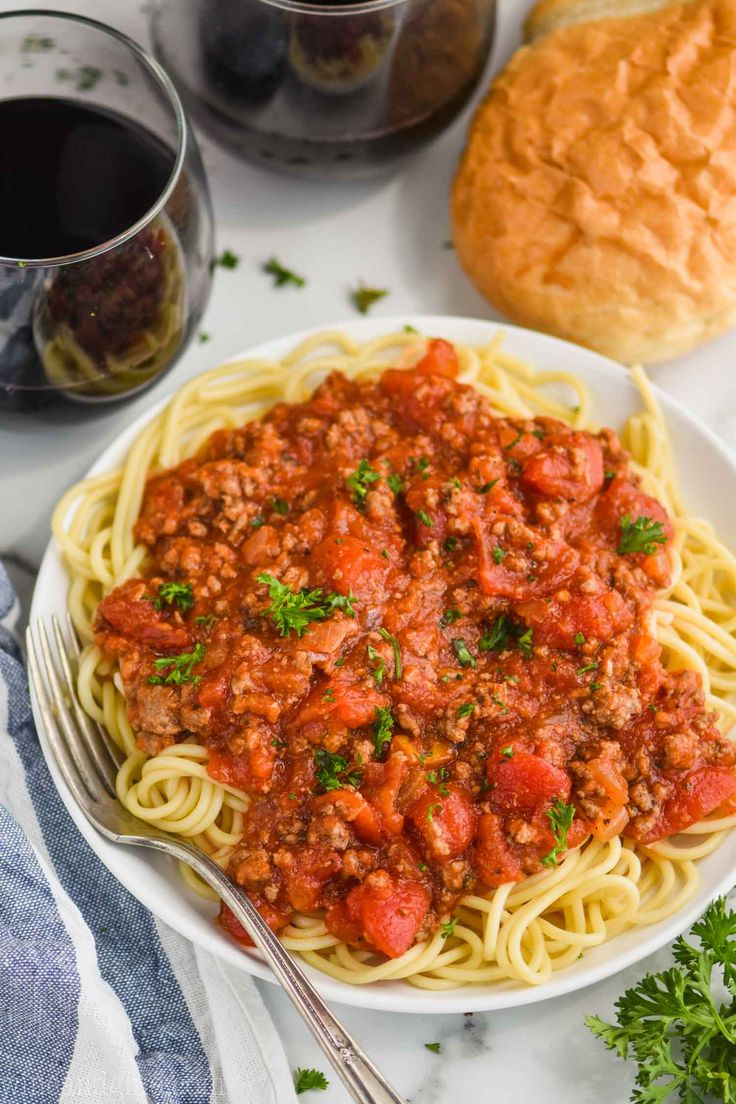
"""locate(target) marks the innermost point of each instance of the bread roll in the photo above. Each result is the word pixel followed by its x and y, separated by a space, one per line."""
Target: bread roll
pixel 596 198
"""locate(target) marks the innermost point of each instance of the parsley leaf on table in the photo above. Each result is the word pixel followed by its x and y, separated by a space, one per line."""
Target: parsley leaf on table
pixel 306 1079
pixel 282 275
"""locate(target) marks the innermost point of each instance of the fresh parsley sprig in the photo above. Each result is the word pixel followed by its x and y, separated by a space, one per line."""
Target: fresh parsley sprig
pixel 681 1035
pixel 333 771
pixel 295 610
pixel 306 1079
pixel 643 535
pixel 172 594
pixel 383 730
pixel 359 482
pixel 560 818
pixel 176 670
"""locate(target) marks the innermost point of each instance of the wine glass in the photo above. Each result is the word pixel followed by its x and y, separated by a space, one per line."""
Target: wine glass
pixel 336 90
pixel 106 240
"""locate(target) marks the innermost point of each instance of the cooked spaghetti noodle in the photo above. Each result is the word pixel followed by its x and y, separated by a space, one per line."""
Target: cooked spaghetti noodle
pixel 519 932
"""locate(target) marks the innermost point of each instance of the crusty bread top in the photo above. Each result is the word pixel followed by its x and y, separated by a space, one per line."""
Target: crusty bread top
pixel 548 15
pixel 596 198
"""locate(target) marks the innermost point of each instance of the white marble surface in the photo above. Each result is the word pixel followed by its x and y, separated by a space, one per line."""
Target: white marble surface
pixel 389 233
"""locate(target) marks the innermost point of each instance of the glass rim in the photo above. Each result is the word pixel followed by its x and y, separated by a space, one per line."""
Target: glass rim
pixel 304 7
pixel 164 81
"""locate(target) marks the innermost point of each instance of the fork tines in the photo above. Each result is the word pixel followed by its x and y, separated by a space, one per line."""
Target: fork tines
pixel 84 753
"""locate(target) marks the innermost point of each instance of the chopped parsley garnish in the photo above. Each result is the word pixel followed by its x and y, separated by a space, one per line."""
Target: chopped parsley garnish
pixel 486 487
pixel 410 329
pixel 360 481
pixel 391 639
pixel 281 275
pixel 364 297
pixel 438 779
pixel 592 666
pixel 579 638
pixel 450 544
pixel 380 666
pixel 295 610
pixel 204 338
pixel 449 617
pixel 642 535
pixel 434 808
pixel 595 685
pixel 500 703
pixel 609 475
pixel 465 710
pixel 503 634
pixel 173 594
pixel 395 483
pixel 306 1079
pixel 332 771
pixel 560 818
pixel 227 259
pixel 422 466
pixel 507 752
pixel 383 730
pixel 498 554
pixel 176 670
pixel 424 518
pixel 434 1047
pixel 676 1025
pixel 456 483
pixel 206 620
pixel 538 433
pixel 514 443
pixel 280 506
pixel 257 521
pixel 448 928
pixel 329 695
pixel 464 658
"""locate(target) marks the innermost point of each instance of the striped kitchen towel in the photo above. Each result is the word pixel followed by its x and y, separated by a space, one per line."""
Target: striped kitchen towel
pixel 100 1003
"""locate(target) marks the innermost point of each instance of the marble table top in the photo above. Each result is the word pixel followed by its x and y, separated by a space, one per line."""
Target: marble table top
pixel 388 232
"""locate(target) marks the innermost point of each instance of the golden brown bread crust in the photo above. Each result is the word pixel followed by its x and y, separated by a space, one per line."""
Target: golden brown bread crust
pixel 596 198
pixel 548 15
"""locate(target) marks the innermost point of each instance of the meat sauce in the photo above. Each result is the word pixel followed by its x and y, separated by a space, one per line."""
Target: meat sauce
pixel 418 635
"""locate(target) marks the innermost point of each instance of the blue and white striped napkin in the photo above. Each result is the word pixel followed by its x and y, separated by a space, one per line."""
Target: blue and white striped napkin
pixel 100 1003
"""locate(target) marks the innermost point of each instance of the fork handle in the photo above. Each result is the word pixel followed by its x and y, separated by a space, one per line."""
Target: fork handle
pixel 361 1078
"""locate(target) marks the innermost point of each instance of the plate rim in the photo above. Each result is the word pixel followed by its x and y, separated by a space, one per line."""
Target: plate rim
pixel 392 996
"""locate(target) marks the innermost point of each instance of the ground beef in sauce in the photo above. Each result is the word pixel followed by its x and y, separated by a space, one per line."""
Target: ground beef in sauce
pixel 481 657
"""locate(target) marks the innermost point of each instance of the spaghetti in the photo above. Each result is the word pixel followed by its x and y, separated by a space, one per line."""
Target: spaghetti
pixel 520 931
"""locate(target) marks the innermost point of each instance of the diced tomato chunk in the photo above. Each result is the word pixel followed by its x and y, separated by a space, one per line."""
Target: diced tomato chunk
pixel 569 466
pixel 446 822
pixel 306 872
pixel 494 858
pixel 388 912
pixel 526 781
pixel 381 792
pixel 348 565
pixel 251 771
pixel 344 922
pixel 596 616
pixel 702 791
pixel 275 918
pixel 126 613
pixel 440 359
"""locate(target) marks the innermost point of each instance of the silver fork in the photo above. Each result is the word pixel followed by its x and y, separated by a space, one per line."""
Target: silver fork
pixel 88 760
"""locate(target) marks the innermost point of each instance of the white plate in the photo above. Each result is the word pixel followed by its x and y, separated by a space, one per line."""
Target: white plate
pixel 708 478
